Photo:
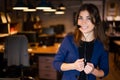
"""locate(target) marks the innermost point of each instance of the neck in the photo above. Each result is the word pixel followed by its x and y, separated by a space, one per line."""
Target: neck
pixel 88 36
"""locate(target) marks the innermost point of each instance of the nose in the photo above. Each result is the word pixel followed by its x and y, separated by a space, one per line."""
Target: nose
pixel 84 21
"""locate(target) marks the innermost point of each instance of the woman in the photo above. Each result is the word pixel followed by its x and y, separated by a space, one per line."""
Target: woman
pixel 83 55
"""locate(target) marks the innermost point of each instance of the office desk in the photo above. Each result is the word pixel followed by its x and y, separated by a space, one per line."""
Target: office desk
pixel 4 35
pixel 44 56
pixel 39 49
pixel 44 49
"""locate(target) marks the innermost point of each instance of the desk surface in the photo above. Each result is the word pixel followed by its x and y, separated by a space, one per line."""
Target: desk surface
pixel 4 35
pixel 41 49
pixel 45 49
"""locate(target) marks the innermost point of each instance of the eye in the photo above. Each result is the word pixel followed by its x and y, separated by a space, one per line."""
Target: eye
pixel 88 18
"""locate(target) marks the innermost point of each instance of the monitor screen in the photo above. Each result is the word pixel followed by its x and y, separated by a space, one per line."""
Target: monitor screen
pixel 49 31
pixel 47 40
pixel 4 28
pixel 58 29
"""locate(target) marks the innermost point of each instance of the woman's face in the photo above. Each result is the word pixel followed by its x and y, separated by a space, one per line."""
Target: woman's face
pixel 84 20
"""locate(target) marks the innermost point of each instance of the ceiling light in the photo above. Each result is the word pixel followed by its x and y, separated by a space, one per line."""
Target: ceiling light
pixel 49 10
pixel 59 12
pixel 62 7
pixel 29 10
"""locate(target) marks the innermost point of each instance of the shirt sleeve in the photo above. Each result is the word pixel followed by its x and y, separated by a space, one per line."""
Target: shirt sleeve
pixel 60 56
pixel 104 62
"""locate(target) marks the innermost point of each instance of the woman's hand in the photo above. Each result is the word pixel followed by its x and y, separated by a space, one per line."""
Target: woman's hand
pixel 79 65
pixel 89 68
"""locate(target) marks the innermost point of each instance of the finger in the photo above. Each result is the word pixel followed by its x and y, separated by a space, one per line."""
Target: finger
pixel 88 69
pixel 81 59
pixel 90 64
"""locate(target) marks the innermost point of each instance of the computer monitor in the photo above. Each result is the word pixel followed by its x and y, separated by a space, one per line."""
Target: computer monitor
pixel 59 29
pixel 4 28
pixel 47 40
pixel 48 30
pixel 4 31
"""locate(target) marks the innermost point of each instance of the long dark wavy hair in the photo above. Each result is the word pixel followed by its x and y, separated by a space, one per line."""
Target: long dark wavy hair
pixel 96 20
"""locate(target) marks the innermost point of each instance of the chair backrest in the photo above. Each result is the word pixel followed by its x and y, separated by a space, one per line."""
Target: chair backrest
pixel 16 50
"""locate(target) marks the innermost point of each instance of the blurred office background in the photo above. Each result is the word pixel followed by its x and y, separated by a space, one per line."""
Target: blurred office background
pixel 46 28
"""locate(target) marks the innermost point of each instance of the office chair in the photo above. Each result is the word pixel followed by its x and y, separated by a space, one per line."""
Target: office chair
pixel 16 53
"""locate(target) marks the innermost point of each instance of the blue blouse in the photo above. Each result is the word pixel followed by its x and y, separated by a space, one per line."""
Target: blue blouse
pixel 68 53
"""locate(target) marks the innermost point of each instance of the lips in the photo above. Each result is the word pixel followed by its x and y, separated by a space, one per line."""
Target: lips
pixel 84 27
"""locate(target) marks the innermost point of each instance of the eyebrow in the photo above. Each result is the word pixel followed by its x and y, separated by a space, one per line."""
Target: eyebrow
pixel 86 16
